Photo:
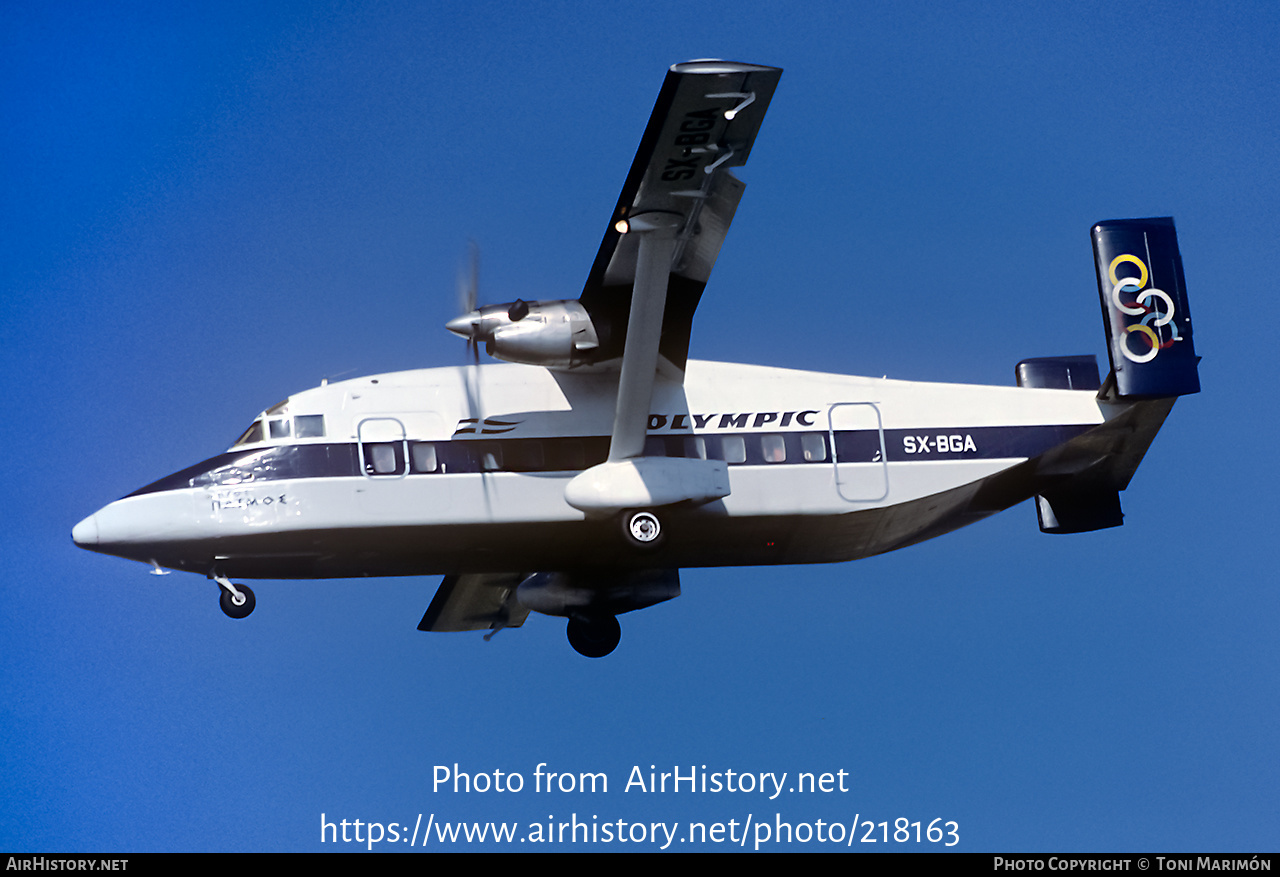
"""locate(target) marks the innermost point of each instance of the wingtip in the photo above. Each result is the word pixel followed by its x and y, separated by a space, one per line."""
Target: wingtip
pixel 716 65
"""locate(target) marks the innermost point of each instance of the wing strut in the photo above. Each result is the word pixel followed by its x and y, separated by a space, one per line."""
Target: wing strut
pixel 664 236
pixel 628 479
pixel 657 233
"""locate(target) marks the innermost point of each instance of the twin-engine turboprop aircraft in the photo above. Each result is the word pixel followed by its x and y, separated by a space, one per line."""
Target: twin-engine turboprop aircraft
pixel 579 479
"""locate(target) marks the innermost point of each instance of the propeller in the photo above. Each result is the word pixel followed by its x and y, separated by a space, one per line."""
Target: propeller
pixel 468 324
pixel 477 324
pixel 468 294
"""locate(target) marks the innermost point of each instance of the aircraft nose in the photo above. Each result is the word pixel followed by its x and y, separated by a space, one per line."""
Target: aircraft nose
pixel 139 527
pixel 85 533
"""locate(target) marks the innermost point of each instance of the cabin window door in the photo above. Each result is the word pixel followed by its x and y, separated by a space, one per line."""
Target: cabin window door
pixel 858 452
pixel 382 447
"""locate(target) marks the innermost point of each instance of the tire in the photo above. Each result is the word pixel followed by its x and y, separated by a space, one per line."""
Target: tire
pixel 242 611
pixel 595 637
pixel 643 530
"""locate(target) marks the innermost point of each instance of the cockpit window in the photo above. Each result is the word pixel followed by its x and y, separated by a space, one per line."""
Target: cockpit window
pixel 279 428
pixel 251 435
pixel 308 426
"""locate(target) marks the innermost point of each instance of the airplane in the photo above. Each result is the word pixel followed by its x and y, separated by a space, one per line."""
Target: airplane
pixel 580 475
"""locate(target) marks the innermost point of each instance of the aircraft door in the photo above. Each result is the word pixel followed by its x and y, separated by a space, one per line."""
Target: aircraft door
pixel 382 447
pixel 382 461
pixel 395 453
pixel 858 451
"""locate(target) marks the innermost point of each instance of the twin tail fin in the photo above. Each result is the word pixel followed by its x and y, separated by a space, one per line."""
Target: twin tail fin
pixel 1144 307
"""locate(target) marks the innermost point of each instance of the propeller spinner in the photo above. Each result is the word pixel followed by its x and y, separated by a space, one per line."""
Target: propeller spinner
pixel 555 334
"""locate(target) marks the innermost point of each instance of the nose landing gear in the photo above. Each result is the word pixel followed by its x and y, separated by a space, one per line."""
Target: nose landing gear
pixel 236 600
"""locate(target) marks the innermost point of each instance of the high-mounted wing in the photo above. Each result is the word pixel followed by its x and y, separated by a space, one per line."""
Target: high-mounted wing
pixel 663 239
pixel 704 123
pixel 637 307
pixel 661 242
pixel 665 233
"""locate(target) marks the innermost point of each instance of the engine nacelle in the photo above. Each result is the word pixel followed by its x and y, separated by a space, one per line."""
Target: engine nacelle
pixel 553 334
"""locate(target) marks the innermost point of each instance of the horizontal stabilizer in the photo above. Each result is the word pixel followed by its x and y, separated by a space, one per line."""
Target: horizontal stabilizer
pixel 1144 304
pixel 1079 483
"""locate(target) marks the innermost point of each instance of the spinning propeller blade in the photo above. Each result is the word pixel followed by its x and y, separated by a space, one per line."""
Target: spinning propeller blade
pixel 469 292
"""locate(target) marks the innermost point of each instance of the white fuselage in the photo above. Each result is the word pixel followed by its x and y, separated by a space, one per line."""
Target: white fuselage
pixel 455 470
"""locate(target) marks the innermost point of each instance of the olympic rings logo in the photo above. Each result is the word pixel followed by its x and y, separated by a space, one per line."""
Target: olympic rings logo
pixel 1151 326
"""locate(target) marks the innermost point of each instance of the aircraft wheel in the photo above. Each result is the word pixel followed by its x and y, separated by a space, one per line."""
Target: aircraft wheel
pixel 642 529
pixel 594 637
pixel 242 610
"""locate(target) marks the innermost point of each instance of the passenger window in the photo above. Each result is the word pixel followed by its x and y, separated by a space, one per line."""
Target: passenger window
pixel 279 429
pixel 814 446
pixel 734 448
pixel 655 446
pixel 525 456
pixel 774 448
pixel 536 459
pixel 695 447
pixel 309 426
pixel 384 458
pixel 423 456
pixel 572 455
pixel 482 456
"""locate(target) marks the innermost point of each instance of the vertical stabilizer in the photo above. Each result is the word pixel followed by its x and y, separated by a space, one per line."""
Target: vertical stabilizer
pixel 1144 305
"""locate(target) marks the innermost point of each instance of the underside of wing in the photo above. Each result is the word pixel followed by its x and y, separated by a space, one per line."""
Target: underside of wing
pixel 704 123
pixel 480 601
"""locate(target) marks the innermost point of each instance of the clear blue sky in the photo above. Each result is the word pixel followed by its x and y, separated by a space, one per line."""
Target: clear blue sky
pixel 207 209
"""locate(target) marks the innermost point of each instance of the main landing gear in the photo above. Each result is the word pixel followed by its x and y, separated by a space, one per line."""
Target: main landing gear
pixel 642 529
pixel 594 632
pixel 236 600
pixel 594 636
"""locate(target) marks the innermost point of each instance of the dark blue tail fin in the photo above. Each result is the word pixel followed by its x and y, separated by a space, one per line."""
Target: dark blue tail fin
pixel 1144 305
